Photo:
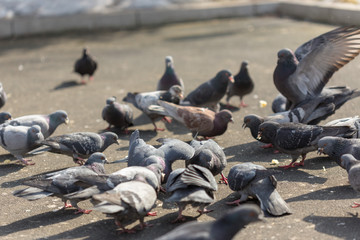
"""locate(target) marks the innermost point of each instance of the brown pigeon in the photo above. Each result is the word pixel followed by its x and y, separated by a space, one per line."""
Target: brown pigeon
pixel 200 121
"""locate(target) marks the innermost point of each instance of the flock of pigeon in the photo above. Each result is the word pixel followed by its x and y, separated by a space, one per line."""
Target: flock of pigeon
pixel 130 194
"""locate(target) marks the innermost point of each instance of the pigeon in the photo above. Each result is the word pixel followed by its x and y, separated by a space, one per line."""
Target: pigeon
pixel 279 104
pixel 298 139
pixel 352 122
pixel 48 123
pixel 210 93
pixel 352 166
pixel 303 74
pixel 118 115
pixel 335 147
pixel 127 202
pixel 169 78
pixel 242 85
pixel 193 185
pixel 142 101
pixel 142 154
pixel 19 140
pixel 210 155
pixel 3 96
pixel 225 227
pixel 101 183
pixel 4 117
pixel 78 145
pixel 85 65
pixel 254 180
pixel 62 182
pixel 200 121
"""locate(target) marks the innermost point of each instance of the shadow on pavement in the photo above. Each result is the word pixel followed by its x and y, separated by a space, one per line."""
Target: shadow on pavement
pixel 67 84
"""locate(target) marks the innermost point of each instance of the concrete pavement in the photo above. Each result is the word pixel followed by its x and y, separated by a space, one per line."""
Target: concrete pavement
pixel 37 74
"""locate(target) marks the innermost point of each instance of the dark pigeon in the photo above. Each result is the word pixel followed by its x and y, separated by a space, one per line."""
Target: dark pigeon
pixel 352 166
pixel 117 115
pixel 143 154
pixel 210 155
pixel 352 122
pixel 193 185
pixel 86 65
pixel 242 85
pixel 4 117
pixel 169 78
pixel 335 147
pixel 78 145
pixel 142 101
pixel 302 75
pixel 254 180
pixel 62 182
pixel 200 121
pixel 150 174
pixel 48 123
pixel 3 96
pixel 19 140
pixel 211 92
pixel 298 139
pixel 127 202
pixel 224 228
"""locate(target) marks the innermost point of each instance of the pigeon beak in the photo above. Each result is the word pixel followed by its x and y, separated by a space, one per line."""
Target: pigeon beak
pixel 320 151
pixel 117 142
pixel 231 79
pixel 67 121
pixel 244 125
pixel 231 120
pixel 106 161
pixel 258 136
pixel 181 96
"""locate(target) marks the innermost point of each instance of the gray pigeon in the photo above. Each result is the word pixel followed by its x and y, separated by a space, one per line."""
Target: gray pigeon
pixel 303 74
pixel 352 122
pixel 86 65
pixel 150 174
pixel 48 123
pixel 4 117
pixel 200 121
pixel 210 155
pixel 224 228
pixel 19 140
pixel 78 145
pixel 254 180
pixel 193 185
pixel 298 139
pixel 127 202
pixel 3 96
pixel 335 147
pixel 279 104
pixel 62 182
pixel 118 115
pixel 142 101
pixel 169 78
pixel 242 85
pixel 352 166
pixel 210 93
pixel 143 154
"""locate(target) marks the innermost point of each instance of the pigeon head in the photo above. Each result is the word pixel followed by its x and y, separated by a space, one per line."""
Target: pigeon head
pixel 225 116
pixel 268 130
pixel 224 76
pixel 347 161
pixel 85 52
pixel 97 157
pixel 244 64
pixel 109 138
pixel 4 116
pixel 169 62
pixel 58 118
pixel 34 135
pixel 286 56
pixel 253 122
pixel 110 100
pixel 329 145
pixel 176 91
